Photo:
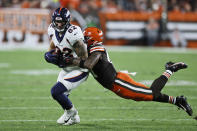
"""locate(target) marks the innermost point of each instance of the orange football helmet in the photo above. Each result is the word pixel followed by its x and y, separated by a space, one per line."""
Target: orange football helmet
pixel 93 35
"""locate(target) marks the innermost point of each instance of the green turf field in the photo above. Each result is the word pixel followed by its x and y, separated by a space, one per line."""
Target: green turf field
pixel 26 104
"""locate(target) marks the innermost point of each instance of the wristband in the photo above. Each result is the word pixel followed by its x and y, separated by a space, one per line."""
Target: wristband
pixel 81 64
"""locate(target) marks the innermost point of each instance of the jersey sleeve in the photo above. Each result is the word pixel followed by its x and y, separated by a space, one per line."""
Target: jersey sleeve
pixel 97 47
pixel 50 31
pixel 74 34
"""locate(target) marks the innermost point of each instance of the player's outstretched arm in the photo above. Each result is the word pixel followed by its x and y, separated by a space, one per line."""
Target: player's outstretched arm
pixel 89 63
pixel 92 60
pixel 80 49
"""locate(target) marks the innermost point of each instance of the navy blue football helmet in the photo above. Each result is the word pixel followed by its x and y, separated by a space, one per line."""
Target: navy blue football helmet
pixel 61 19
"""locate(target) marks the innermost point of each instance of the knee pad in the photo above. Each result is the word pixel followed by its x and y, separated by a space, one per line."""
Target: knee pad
pixel 58 89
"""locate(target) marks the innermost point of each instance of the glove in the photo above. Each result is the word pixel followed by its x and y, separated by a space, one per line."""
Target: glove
pixel 51 58
pixel 68 60
pixel 65 61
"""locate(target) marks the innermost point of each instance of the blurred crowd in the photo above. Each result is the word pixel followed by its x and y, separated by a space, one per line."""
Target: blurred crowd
pixel 85 12
pixel 105 5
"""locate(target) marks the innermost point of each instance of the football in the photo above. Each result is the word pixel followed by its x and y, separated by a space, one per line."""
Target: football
pixel 57 51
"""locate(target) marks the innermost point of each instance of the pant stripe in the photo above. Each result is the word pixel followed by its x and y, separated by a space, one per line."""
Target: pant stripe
pixel 134 84
pixel 77 78
pixel 133 87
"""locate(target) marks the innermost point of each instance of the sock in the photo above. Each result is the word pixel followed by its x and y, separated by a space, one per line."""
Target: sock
pixel 166 99
pixel 167 74
pixel 161 98
pixel 172 100
pixel 159 83
pixel 71 110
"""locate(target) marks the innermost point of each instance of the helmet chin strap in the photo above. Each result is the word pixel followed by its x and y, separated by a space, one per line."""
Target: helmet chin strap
pixel 59 30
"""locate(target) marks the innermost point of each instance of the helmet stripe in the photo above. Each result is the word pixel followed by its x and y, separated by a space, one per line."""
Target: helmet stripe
pixel 67 13
pixel 60 10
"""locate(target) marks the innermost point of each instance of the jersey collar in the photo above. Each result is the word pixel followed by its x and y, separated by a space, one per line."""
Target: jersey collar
pixel 57 34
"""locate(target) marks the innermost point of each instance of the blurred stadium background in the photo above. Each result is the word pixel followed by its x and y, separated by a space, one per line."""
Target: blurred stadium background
pixel 169 23
pixel 141 35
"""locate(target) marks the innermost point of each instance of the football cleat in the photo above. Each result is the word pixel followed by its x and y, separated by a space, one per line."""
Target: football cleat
pixel 61 119
pixel 174 67
pixel 73 120
pixel 72 117
pixel 181 102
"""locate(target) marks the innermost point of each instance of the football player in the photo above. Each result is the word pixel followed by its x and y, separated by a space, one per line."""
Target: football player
pixel 122 84
pixel 66 40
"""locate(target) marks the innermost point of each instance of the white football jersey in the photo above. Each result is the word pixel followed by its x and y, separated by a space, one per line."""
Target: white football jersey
pixel 66 41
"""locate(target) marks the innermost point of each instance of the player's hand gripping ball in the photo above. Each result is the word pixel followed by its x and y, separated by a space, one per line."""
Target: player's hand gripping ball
pixel 57 51
pixel 51 57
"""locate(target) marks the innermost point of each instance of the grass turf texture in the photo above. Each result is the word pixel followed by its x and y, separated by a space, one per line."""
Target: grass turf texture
pixel 25 102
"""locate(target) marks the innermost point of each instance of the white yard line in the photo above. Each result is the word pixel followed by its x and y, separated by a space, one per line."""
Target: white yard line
pixel 173 83
pixel 26 98
pixel 81 98
pixel 28 108
pixel 26 120
pixel 43 47
pixel 4 65
pixel 151 49
pixel 22 90
pixel 35 72
pixel 103 119
pixel 95 108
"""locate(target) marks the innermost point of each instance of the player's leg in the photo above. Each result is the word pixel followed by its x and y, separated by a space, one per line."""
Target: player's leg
pixel 160 82
pixel 59 92
pixel 171 67
pixel 179 101
pixel 73 79
pixel 66 82
pixel 125 87
pixel 158 85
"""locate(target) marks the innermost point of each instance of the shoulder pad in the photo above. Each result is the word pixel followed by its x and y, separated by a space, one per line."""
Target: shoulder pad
pixel 97 47
pixel 74 34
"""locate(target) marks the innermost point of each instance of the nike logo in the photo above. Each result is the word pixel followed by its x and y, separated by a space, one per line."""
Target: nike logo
pixel 183 107
pixel 67 120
